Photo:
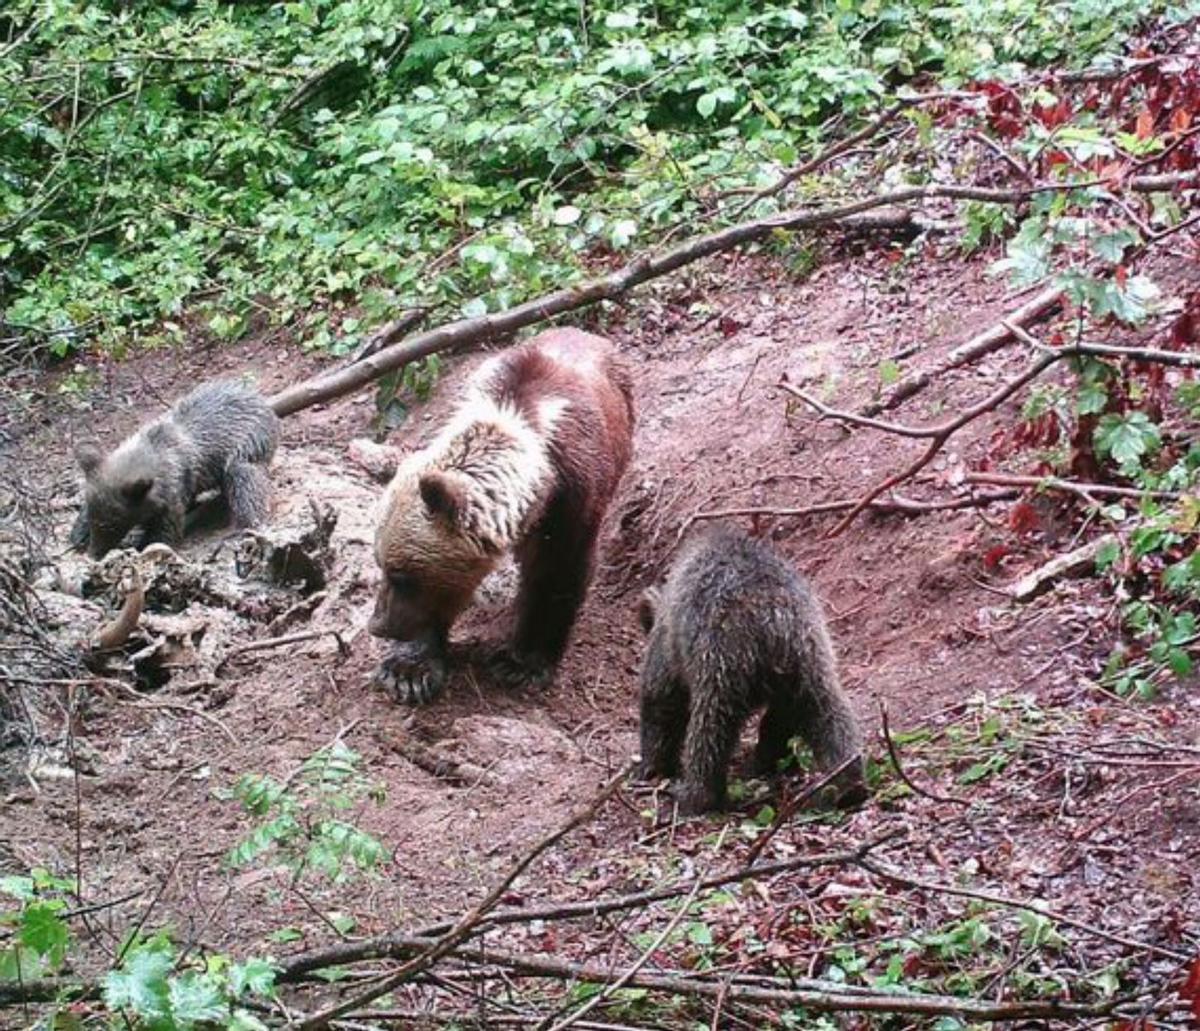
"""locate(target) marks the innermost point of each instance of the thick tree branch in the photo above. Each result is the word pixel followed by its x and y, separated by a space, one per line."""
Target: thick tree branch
pixel 1041 306
pixel 642 269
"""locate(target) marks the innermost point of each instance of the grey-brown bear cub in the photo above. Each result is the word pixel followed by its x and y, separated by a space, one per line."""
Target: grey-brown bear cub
pixel 221 436
pixel 735 628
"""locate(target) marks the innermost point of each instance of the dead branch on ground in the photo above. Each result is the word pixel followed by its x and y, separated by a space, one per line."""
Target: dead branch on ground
pixel 1083 490
pixel 1041 306
pixel 937 435
pixel 818 995
pixel 896 504
pixel 465 925
pixel 894 755
pixel 385 945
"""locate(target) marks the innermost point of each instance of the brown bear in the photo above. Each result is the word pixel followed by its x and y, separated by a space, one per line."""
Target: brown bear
pixel 221 436
pixel 528 463
pixel 734 629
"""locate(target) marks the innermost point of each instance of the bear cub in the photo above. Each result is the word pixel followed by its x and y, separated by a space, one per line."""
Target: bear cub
pixel 527 464
pixel 221 437
pixel 735 628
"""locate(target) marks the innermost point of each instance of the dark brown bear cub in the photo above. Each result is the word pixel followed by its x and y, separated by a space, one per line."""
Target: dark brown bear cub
pixel 220 437
pixel 736 628
pixel 528 463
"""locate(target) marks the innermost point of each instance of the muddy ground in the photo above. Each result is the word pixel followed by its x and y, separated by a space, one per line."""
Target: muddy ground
pixel 922 624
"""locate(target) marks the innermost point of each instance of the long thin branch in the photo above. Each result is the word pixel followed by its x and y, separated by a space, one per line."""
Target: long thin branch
pixel 1000 900
pixel 386 945
pixel 937 435
pixel 896 504
pixel 466 924
pixel 1041 306
pixel 813 994
pixel 640 270
pixel 1152 355
pixel 1084 490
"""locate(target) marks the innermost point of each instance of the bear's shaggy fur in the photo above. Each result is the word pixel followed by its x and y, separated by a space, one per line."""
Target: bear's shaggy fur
pixel 221 437
pixel 528 463
pixel 733 629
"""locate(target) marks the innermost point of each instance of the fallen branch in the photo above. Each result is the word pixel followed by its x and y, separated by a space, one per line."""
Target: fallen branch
pixel 1072 563
pixel 386 945
pixel 652 266
pixel 279 642
pixel 466 924
pixel 817 995
pixel 1084 490
pixel 1152 355
pixel 1040 306
pixel 937 435
pixel 896 504
pixel 894 755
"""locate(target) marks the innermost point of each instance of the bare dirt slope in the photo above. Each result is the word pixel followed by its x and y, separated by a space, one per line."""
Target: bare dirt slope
pixel 920 623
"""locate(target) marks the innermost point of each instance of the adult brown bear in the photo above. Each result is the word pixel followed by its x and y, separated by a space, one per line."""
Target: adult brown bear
pixel 528 463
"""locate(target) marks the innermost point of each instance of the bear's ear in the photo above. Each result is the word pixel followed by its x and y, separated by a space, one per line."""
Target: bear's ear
pixel 88 457
pixel 442 496
pixel 647 608
pixel 135 490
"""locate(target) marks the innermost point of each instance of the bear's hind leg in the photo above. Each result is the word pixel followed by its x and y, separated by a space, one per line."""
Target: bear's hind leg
pixel 247 491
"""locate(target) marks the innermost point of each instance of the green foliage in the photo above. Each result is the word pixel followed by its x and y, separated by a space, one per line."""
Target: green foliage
pixel 302 823
pixel 1127 439
pixel 150 991
pixel 36 930
pixel 329 162
pixel 151 987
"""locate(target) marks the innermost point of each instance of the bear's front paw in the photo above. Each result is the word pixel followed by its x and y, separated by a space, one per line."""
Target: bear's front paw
pixel 411 678
pixel 521 669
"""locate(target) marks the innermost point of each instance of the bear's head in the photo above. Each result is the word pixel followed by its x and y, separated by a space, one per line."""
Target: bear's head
pixel 118 494
pixel 429 554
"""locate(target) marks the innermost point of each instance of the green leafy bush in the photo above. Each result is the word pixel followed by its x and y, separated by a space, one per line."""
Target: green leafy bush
pixel 303 823
pixel 327 162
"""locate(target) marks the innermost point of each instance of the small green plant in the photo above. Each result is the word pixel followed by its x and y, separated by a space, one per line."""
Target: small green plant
pixel 155 988
pixel 301 822
pixel 39 932
pixel 415 380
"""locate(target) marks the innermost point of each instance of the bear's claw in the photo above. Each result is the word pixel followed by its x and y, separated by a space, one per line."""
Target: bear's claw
pixel 411 680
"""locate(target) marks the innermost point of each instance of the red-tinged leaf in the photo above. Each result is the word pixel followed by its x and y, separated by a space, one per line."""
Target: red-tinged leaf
pixel 912 964
pixel 1190 992
pixel 1144 126
pixel 1022 518
pixel 1054 158
pixel 728 325
pixel 1121 275
pixel 1181 118
pixel 994 556
pixel 1055 115
pixel 1113 172
pixel 1183 330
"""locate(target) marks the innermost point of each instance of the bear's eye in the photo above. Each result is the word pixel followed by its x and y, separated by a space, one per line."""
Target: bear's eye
pixel 403 584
